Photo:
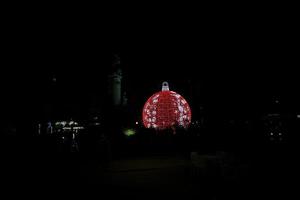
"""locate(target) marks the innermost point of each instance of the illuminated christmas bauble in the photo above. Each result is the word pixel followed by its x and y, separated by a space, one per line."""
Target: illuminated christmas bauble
pixel 166 109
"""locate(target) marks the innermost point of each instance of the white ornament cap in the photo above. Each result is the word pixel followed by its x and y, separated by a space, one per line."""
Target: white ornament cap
pixel 165 86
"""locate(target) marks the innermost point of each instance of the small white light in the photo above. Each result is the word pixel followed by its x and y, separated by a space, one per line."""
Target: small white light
pixel 271 133
pixel 136 123
pixel 279 134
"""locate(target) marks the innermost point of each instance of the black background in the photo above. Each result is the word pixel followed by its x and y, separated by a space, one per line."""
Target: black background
pixel 238 60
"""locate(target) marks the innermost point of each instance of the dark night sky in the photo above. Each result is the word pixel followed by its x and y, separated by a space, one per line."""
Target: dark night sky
pixel 237 65
pixel 234 60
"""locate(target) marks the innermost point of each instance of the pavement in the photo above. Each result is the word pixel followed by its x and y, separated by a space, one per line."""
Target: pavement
pixel 173 176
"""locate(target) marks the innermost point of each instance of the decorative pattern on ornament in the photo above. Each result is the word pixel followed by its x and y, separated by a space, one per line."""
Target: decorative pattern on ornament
pixel 166 109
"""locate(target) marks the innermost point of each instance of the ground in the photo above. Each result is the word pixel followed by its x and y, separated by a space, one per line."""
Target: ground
pixel 221 175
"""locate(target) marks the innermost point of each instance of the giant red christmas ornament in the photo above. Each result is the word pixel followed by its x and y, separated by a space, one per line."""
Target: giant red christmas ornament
pixel 166 109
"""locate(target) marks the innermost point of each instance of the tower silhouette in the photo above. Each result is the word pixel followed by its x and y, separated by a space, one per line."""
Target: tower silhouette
pixel 115 82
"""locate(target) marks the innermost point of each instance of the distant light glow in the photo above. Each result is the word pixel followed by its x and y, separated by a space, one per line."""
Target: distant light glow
pixel 74 128
pixel 129 132
pixel 136 123
pixel 63 123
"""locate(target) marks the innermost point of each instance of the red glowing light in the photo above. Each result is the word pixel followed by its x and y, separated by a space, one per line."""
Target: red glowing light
pixel 166 109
